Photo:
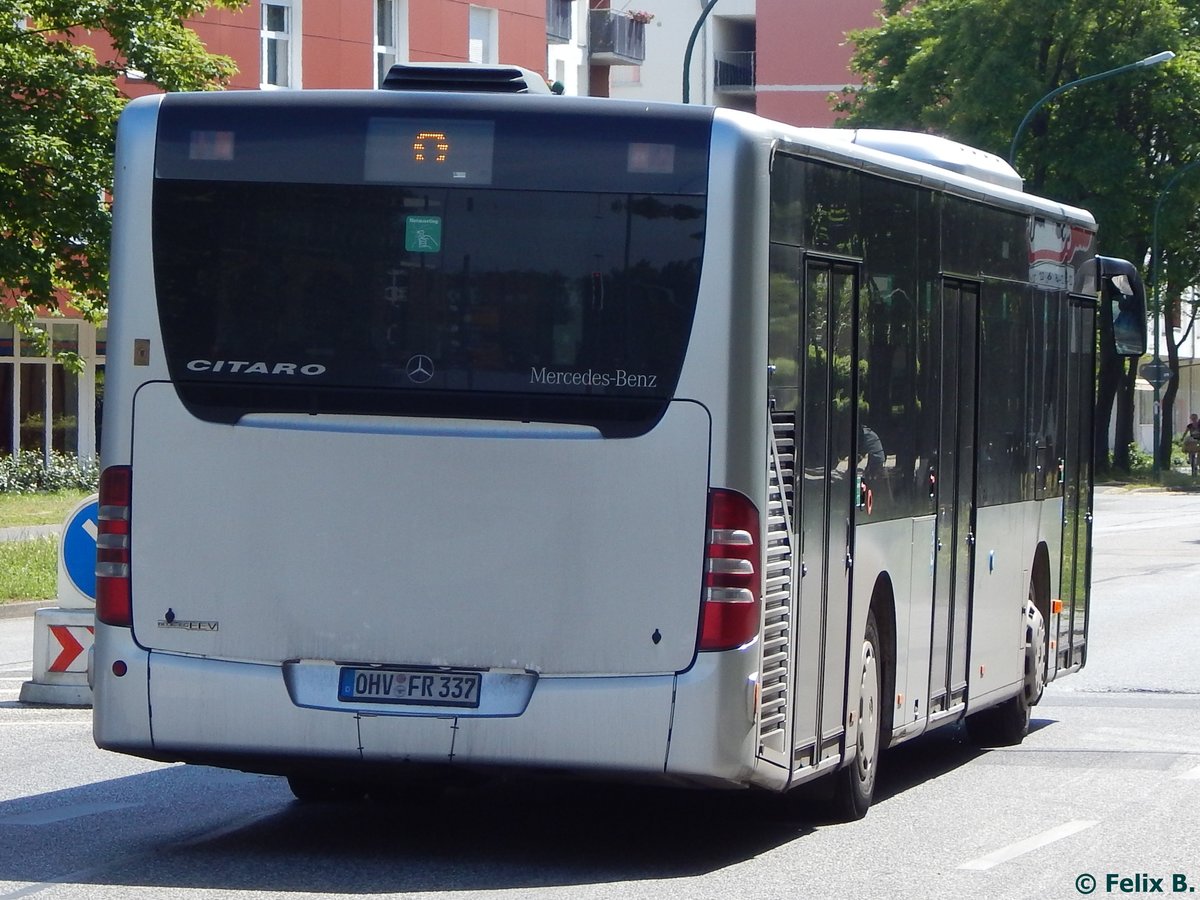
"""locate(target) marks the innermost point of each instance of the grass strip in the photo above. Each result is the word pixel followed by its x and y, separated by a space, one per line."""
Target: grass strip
pixel 37 508
pixel 29 569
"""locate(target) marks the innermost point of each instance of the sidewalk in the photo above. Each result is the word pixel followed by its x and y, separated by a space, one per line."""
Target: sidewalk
pixel 27 532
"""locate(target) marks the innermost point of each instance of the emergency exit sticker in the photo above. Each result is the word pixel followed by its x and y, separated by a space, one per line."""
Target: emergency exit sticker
pixel 423 234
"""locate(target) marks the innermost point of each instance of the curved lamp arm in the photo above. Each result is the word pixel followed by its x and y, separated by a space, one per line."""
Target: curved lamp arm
pixel 1154 60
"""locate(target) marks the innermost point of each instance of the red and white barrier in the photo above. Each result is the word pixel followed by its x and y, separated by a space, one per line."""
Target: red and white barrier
pixel 62 635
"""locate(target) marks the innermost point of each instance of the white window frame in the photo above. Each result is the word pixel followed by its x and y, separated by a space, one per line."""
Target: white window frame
pixel 489 47
pixel 291 34
pixel 397 50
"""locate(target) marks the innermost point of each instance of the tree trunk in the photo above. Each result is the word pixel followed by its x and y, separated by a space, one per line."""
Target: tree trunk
pixel 1127 376
pixel 1106 393
pixel 1166 416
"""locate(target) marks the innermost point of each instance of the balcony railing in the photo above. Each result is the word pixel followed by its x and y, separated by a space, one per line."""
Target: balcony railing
pixel 734 71
pixel 558 21
pixel 614 39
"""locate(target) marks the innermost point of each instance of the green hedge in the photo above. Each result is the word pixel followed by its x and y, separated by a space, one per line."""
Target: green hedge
pixel 26 472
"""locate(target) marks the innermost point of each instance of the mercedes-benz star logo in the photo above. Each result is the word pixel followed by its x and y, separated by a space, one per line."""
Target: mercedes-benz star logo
pixel 419 368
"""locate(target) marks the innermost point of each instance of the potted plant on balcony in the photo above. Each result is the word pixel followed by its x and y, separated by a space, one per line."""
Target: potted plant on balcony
pixel 617 37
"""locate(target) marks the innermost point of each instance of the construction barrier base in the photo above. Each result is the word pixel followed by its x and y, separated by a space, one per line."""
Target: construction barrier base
pixel 61 641
pixel 56 694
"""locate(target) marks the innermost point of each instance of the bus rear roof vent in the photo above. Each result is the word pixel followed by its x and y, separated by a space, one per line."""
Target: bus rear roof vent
pixel 943 153
pixel 464 77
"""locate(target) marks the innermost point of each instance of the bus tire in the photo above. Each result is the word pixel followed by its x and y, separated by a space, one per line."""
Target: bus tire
pixel 307 789
pixel 1006 724
pixel 1036 656
pixel 854 784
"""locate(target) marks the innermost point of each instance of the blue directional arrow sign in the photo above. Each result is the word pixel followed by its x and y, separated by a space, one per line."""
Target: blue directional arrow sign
pixel 79 548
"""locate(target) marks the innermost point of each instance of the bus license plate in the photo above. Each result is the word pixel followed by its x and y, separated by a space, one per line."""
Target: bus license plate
pixel 410 686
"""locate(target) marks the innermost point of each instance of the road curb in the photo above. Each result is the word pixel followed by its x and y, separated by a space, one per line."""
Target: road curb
pixel 28 532
pixel 23 608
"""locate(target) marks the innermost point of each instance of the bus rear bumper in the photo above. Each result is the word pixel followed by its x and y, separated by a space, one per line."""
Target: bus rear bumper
pixel 713 731
pixel 240 715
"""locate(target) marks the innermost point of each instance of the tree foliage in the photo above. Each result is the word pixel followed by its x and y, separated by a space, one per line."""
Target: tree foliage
pixel 60 61
pixel 971 69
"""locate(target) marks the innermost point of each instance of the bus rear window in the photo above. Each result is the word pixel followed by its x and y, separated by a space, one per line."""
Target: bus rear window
pixel 430 300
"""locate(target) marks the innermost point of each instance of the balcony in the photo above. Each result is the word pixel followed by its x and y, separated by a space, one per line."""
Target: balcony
pixel 614 39
pixel 558 21
pixel 734 71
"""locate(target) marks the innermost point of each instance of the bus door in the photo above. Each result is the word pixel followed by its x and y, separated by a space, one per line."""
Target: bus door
pixel 1077 479
pixel 954 481
pixel 825 486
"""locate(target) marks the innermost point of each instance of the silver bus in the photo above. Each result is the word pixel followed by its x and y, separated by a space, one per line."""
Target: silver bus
pixel 462 431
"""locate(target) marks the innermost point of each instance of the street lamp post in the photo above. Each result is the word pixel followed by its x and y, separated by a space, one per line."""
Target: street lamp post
pixel 687 55
pixel 1155 264
pixel 1140 64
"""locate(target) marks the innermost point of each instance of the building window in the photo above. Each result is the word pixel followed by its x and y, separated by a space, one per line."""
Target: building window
pixel 391 36
pixel 100 349
pixel 280 44
pixel 625 76
pixel 483 39
pixel 8 421
pixel 45 407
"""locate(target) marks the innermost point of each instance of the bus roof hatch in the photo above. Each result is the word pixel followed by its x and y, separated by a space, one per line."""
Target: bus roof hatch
pixel 464 77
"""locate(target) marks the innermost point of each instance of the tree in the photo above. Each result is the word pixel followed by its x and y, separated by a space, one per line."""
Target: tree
pixel 970 69
pixel 60 61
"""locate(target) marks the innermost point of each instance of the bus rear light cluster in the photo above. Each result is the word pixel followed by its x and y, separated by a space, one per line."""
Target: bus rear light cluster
pixel 731 607
pixel 113 603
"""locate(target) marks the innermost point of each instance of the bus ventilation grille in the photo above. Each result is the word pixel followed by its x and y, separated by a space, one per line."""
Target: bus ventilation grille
pixel 777 587
pixel 464 78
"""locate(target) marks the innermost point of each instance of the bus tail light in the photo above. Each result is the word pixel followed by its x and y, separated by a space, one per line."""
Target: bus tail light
pixel 113 604
pixel 731 608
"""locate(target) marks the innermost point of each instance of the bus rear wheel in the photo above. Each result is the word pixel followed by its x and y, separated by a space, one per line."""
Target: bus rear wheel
pixel 854 785
pixel 308 789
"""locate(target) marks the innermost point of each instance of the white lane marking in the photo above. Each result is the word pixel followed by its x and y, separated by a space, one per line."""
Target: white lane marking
pixel 1190 775
pixel 1012 851
pixel 63 813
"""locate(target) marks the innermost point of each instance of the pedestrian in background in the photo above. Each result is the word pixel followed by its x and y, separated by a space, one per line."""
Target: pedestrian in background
pixel 1191 441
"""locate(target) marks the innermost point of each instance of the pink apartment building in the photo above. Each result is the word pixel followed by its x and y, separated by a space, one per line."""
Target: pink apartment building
pixel 781 59
pixel 335 44
pixel 803 58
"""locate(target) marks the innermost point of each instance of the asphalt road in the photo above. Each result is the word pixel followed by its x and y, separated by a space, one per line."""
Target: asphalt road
pixel 1106 787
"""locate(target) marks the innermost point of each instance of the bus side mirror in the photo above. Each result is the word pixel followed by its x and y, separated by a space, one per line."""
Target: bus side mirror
pixel 1123 305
